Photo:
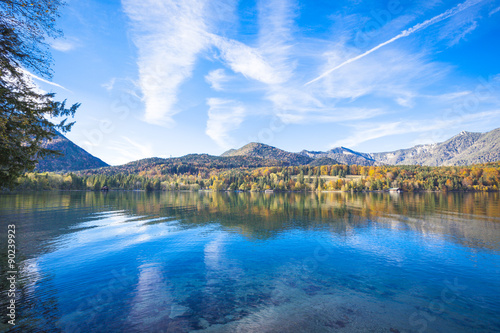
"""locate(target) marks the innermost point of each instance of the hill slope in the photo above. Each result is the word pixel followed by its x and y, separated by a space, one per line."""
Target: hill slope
pixel 485 149
pixel 342 155
pixel 74 158
pixel 266 152
pixel 459 150
pixel 192 163
pixel 323 161
pixel 463 149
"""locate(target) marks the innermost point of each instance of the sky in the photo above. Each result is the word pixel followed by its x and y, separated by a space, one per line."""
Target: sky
pixel 168 78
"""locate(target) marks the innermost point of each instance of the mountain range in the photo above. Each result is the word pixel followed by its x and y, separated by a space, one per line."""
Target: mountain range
pixel 465 148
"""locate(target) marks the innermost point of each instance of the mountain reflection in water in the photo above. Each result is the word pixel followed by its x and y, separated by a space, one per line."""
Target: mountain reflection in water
pixel 282 262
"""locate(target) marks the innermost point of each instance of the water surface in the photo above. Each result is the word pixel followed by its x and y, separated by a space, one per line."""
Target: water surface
pixel 253 262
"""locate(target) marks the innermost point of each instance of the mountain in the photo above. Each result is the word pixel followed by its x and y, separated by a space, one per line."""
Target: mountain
pixel 463 149
pixel 323 161
pixel 342 155
pixel 466 148
pixel 192 163
pixel 74 158
pixel 485 149
pixel 266 152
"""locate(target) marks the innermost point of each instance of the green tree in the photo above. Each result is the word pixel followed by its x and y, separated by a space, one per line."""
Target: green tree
pixel 24 110
pixel 97 186
pixel 149 186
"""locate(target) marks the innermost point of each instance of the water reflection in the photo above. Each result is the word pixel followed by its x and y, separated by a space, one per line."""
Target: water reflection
pixel 228 262
pixel 468 217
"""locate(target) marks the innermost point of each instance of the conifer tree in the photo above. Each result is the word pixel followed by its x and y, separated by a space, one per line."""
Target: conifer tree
pixel 25 110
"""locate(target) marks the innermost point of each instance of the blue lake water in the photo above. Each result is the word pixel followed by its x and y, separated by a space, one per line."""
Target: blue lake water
pixel 253 262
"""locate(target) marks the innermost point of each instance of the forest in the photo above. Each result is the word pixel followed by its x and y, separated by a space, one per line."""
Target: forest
pixel 160 177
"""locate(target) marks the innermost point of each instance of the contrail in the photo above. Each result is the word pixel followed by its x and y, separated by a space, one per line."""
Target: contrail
pixel 450 12
pixel 45 81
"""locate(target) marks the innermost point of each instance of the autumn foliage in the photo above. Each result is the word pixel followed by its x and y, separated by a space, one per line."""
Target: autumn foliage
pixel 482 177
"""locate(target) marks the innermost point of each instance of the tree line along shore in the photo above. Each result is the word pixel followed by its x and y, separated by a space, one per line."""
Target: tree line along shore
pixel 482 177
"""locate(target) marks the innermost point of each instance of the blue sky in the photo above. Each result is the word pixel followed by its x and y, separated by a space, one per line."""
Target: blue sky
pixel 167 78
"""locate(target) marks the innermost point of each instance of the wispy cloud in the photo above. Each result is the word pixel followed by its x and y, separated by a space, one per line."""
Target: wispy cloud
pixel 276 25
pixel 124 87
pixel 131 150
pixel 276 42
pixel 174 36
pixel 224 116
pixel 394 74
pixel 494 11
pixel 338 115
pixel 247 61
pixel 216 79
pixel 110 84
pixel 169 35
pixel 449 13
pixel 65 45
pixel 461 35
pixel 43 80
pixel 288 99
pixel 367 132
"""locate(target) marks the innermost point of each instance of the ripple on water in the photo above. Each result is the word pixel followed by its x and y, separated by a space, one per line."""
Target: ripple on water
pixel 216 263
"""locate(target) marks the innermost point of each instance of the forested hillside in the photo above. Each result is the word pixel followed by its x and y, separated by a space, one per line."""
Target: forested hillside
pixel 267 152
pixel 482 177
pixel 72 157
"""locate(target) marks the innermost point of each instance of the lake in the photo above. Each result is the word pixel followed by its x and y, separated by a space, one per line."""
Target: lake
pixel 254 262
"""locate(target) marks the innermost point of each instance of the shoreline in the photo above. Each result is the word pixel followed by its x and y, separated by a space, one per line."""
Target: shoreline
pixel 263 192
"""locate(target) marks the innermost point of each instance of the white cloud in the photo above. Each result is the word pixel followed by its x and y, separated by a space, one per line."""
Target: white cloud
pixel 276 24
pixel 391 73
pixel 247 61
pixel 110 84
pixel 461 34
pixel 290 98
pixel 334 115
pixel 268 62
pixel 367 132
pixel 449 96
pixel 224 116
pixel 216 79
pixel 371 132
pixel 458 27
pixel 124 87
pixel 64 45
pixel 33 76
pixel 169 35
pixel 406 101
pixel 438 18
pixel 131 150
pixel 494 11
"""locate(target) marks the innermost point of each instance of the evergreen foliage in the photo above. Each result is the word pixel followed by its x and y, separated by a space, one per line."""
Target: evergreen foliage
pixel 24 110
